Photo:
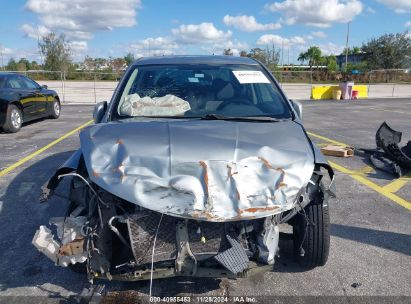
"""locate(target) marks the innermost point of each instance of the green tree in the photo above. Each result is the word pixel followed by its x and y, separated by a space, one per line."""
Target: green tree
pixel 313 55
pixel 389 51
pixel 303 57
pixel 243 54
pixel 56 52
pixel 269 57
pixel 35 66
pixel 117 64
pixel 272 57
pixel 331 63
pixel 352 51
pixel 258 54
pixel 228 52
pixel 11 65
pixel 23 65
pixel 129 58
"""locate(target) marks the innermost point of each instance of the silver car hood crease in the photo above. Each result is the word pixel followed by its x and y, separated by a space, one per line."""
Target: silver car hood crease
pixel 206 170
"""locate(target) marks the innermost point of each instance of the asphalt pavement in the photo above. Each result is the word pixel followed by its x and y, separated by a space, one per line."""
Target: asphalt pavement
pixel 370 234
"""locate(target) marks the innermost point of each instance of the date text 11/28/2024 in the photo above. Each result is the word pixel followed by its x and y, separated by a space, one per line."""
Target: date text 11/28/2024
pixel 203 299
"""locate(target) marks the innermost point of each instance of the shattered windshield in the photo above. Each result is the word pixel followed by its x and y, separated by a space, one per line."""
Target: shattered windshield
pixel 200 90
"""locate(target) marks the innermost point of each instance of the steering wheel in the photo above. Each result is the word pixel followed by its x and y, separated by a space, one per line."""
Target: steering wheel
pixel 231 101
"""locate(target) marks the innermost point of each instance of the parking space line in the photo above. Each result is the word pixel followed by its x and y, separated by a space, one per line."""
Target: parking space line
pixel 338 143
pixel 358 175
pixel 398 183
pixel 395 198
pixel 41 150
pixel 391 111
pixel 366 170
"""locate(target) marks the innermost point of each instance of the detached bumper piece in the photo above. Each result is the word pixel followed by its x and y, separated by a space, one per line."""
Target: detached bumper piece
pixel 389 157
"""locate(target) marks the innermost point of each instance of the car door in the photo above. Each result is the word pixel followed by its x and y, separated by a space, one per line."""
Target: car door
pixel 37 93
pixel 23 95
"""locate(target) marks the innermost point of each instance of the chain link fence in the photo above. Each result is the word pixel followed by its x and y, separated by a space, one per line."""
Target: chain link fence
pixel 380 83
pixel 93 87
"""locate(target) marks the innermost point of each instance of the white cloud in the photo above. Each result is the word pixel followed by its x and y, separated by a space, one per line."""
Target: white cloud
pixel 200 33
pixel 35 32
pixel 249 23
pixel 78 46
pixel 78 19
pixel 408 24
pixel 370 10
pixel 17 53
pixel 153 46
pixel 317 13
pixel 331 49
pixel 5 51
pixel 399 6
pixel 279 41
pixel 235 46
pixel 319 34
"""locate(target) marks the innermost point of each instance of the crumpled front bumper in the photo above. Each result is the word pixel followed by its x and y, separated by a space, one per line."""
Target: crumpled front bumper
pixel 169 245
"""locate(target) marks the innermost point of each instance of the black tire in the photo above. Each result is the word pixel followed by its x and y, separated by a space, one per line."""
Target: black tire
pixel 312 246
pixel 14 119
pixel 55 109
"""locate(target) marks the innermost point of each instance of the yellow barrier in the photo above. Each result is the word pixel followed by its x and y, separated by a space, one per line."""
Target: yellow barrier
pixel 326 92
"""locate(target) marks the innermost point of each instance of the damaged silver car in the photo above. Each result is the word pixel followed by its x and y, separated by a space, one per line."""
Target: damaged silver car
pixel 189 171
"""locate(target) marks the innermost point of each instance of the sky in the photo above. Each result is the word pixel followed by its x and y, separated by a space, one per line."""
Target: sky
pixel 113 28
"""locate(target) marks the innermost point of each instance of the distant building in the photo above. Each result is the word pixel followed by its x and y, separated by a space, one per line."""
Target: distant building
pixel 353 59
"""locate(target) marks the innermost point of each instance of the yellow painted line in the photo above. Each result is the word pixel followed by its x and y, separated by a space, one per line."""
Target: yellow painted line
pixel 366 170
pixel 39 151
pixel 398 183
pixel 338 143
pixel 395 198
pixel 358 175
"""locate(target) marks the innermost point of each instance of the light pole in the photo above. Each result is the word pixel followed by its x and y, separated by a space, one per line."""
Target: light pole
pixel 1 55
pixel 346 46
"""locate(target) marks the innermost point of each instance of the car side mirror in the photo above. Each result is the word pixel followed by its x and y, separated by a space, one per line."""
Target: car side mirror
pixel 298 108
pixel 44 86
pixel 99 111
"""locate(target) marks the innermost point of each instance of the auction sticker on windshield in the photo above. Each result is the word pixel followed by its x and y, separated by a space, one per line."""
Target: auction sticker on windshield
pixel 250 77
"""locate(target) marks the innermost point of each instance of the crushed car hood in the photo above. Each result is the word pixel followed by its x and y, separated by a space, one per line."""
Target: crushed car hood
pixel 207 170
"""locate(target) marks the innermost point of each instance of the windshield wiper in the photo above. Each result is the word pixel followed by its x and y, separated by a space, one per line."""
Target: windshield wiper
pixel 165 116
pixel 241 118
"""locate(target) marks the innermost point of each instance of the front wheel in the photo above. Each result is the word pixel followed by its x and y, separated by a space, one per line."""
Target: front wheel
pixel 56 109
pixel 311 233
pixel 14 119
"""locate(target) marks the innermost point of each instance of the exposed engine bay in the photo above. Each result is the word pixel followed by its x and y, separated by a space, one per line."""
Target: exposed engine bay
pixel 108 237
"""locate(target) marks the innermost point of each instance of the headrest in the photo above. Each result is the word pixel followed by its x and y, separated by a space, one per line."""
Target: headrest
pixel 227 92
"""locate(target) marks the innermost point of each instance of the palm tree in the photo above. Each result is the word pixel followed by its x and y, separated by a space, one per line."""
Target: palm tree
pixel 302 57
pixel 313 55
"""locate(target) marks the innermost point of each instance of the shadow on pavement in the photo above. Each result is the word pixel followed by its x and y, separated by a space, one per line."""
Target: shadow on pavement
pixel 393 241
pixel 20 215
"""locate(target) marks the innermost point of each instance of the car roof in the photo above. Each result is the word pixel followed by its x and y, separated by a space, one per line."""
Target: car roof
pixel 8 74
pixel 195 59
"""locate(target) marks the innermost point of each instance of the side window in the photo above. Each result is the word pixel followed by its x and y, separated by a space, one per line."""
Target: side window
pixel 28 84
pixel 13 82
pixel 3 82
